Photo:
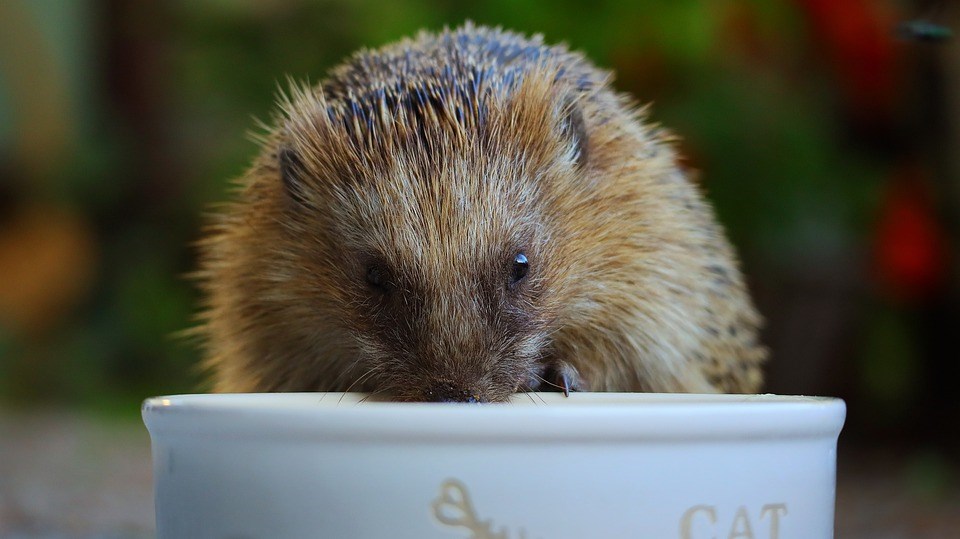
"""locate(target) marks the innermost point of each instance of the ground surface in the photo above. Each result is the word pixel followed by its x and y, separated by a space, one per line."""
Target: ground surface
pixel 64 476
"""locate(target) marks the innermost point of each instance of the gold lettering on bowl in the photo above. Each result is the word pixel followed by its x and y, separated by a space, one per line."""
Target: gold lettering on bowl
pixel 741 526
pixel 453 508
pixel 686 521
pixel 775 512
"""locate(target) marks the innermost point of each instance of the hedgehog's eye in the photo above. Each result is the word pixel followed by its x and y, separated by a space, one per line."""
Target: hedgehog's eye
pixel 519 270
pixel 378 277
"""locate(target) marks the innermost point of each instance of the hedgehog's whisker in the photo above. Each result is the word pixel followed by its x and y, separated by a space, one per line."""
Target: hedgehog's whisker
pixel 548 382
pixel 362 378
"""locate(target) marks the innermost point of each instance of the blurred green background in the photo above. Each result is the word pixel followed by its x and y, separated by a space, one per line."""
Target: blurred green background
pixel 823 139
pixel 826 139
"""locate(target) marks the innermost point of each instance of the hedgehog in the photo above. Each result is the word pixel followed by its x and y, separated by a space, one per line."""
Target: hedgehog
pixel 462 216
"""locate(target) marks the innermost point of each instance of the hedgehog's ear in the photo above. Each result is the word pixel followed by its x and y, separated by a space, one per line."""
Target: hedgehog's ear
pixel 574 131
pixel 292 174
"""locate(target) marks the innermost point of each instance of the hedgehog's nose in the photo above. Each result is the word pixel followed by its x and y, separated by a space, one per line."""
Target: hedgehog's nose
pixel 447 392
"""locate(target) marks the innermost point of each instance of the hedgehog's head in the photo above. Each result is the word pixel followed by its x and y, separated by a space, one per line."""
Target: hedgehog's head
pixel 425 226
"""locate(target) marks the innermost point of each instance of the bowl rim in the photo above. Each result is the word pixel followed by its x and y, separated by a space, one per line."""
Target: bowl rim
pixel 528 418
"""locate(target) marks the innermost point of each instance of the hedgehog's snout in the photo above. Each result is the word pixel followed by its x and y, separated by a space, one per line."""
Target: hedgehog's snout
pixel 449 392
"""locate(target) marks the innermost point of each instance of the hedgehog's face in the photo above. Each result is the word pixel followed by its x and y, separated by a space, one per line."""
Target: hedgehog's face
pixel 448 284
pixel 470 334
pixel 443 279
pixel 440 247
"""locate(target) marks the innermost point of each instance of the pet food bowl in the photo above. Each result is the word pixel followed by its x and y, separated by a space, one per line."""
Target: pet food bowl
pixel 543 466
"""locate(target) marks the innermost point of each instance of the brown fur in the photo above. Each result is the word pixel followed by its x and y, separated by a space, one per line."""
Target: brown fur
pixel 435 161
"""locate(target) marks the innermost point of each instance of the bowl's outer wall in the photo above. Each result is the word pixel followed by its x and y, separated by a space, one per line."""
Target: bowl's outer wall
pixel 214 484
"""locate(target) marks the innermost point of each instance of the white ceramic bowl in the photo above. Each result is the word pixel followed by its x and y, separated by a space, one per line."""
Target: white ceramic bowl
pixel 594 465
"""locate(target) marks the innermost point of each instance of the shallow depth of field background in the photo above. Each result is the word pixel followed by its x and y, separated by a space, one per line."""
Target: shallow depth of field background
pixel 829 146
